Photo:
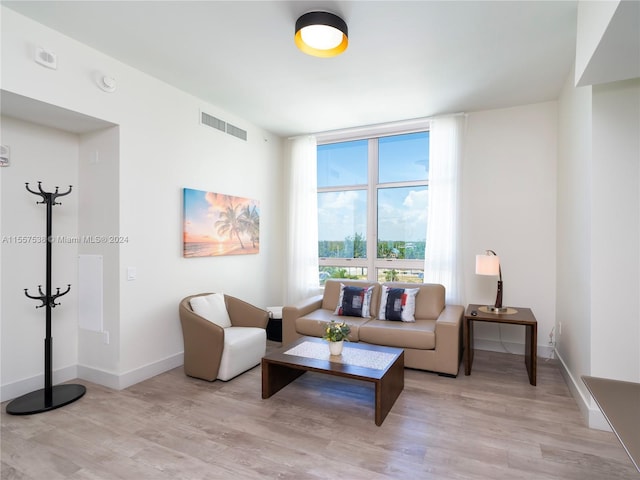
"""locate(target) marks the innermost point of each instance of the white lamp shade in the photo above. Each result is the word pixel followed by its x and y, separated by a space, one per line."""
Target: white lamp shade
pixel 487 265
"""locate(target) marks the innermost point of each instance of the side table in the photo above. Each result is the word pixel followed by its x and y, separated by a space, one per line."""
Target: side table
pixel 515 316
pixel 274 326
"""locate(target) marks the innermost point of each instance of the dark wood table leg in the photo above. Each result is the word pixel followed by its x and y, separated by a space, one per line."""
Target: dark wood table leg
pixel 530 353
pixel 275 377
pixel 468 345
pixel 388 390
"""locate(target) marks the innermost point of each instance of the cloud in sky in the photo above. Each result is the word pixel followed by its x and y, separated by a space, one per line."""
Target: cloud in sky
pixel 402 214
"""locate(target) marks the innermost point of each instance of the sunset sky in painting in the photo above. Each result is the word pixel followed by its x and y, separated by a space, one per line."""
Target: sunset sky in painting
pixel 202 210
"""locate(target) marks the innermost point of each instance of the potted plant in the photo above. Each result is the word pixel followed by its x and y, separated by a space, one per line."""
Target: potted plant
pixel 336 333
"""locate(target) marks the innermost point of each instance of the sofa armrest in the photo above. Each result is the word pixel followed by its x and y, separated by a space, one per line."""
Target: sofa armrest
pixel 290 313
pixel 449 339
pixel 243 314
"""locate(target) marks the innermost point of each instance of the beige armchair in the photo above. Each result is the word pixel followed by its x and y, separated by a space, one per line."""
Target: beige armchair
pixel 212 352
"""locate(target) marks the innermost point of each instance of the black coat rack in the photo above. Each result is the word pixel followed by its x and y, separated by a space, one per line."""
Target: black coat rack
pixel 50 396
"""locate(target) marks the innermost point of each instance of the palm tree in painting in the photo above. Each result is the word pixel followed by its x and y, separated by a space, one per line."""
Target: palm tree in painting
pixel 230 223
pixel 250 222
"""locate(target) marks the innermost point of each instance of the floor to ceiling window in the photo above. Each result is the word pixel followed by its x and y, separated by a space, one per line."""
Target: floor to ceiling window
pixel 372 207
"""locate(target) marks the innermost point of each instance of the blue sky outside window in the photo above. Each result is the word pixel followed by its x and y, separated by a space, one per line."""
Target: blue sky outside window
pixel 403 158
pixel 341 164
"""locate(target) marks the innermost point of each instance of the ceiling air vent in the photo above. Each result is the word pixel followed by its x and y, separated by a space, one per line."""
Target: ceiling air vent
pixel 211 121
pixel 236 132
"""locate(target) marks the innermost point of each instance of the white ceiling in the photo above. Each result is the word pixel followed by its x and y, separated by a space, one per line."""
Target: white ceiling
pixel 406 59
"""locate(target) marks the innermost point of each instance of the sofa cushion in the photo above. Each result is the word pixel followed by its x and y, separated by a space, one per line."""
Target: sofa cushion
pixel 354 301
pixel 314 323
pixel 332 293
pixel 419 334
pixel 397 304
pixel 430 300
pixel 243 349
pixel 213 308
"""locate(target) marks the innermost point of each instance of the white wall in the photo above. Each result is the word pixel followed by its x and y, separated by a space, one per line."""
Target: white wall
pixel 599 237
pixel 509 202
pixel 98 215
pixel 53 160
pixel 161 149
pixel 615 249
pixel 574 238
pixel 592 23
pixel 607 44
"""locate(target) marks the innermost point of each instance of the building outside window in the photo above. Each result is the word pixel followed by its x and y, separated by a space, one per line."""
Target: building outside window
pixel 372 207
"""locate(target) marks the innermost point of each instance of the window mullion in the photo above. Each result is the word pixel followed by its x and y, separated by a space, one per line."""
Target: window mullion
pixel 372 216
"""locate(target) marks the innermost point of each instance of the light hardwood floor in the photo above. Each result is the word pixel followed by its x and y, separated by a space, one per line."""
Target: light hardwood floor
pixel 490 425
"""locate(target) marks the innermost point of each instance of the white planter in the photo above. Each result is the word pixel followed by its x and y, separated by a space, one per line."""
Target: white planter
pixel 336 347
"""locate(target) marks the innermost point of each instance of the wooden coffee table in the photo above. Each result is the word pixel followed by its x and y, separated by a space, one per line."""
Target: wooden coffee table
pixel 382 366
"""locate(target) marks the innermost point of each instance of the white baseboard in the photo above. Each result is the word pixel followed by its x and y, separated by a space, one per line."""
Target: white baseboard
pixel 94 375
pixel 150 370
pixel 589 411
pixel 124 380
pixel 100 377
pixel 13 390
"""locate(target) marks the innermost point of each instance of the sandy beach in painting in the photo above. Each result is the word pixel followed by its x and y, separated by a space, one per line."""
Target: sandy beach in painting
pixel 213 249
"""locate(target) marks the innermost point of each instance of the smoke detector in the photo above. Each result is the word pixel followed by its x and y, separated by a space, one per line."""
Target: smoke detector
pixel 107 83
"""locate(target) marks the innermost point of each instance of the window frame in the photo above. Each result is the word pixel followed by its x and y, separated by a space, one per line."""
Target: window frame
pixel 372 263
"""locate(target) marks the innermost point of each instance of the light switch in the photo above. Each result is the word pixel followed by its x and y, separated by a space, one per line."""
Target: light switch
pixel 131 273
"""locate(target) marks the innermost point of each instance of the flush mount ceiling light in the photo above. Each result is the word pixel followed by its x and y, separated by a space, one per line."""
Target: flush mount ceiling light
pixel 321 34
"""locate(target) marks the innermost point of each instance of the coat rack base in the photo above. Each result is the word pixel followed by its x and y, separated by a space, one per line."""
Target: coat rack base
pixel 36 402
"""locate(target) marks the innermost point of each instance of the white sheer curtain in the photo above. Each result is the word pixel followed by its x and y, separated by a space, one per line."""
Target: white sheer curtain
pixel 301 254
pixel 443 258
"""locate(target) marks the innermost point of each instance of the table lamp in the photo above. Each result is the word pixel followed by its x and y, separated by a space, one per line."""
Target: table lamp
pixel 489 264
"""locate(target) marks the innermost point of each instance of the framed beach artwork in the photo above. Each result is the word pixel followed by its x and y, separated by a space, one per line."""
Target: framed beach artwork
pixel 218 224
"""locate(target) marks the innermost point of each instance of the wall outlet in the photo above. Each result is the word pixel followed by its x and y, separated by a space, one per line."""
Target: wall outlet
pixel 105 337
pixel 559 328
pixel 5 155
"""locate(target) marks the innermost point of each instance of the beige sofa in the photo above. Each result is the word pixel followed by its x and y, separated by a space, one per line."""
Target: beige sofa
pixel 433 342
